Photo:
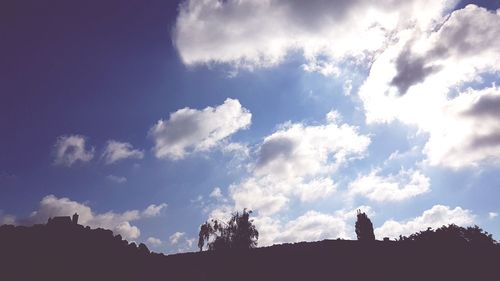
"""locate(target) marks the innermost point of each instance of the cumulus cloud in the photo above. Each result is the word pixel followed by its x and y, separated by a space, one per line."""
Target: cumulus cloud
pixel 435 217
pixel 492 215
pixel 154 242
pixel 415 81
pixel 255 33
pixel 297 161
pixel 401 186
pixel 311 226
pixel 468 135
pixel 116 151
pixel 263 195
pixel 417 52
pixel 297 150
pixel 181 241
pixel 72 148
pixel 119 223
pixel 116 179
pixel 191 130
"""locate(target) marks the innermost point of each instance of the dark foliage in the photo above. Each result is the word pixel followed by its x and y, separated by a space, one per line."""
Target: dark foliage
pixel 73 252
pixel 364 227
pixel 453 234
pixel 238 233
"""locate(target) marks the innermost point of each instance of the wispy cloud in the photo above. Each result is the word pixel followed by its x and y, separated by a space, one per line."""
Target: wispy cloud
pixel 116 179
pixel 71 149
pixel 116 151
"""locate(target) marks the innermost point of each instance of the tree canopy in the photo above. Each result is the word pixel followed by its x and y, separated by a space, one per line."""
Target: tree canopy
pixel 453 234
pixel 238 233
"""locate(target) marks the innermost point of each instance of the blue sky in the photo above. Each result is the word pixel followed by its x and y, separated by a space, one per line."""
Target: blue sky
pixel 149 118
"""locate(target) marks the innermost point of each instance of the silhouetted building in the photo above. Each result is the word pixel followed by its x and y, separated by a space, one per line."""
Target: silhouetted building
pixel 63 220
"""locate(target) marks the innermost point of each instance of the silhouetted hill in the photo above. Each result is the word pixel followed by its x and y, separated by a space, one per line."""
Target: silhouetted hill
pixel 72 252
pixel 69 252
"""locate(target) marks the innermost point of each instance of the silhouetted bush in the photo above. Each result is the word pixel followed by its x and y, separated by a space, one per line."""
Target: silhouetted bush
pixel 364 227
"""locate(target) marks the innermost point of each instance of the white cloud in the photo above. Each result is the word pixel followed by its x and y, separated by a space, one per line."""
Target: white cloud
pixel 323 67
pixel 240 150
pixel 404 185
pixel 492 215
pixel 347 87
pixel 435 217
pixel 191 130
pixel 154 242
pixel 70 149
pixel 176 237
pixel 116 179
pixel 297 161
pixel 153 210
pixel 468 134
pixel 116 151
pixel 311 226
pixel 119 223
pixel 315 189
pixel 263 195
pixel 182 242
pixel 401 156
pixel 418 55
pixel 333 116
pixel 253 33
pixel 221 212
pixel 7 219
pixel 297 150
pixel 414 81
pixel 216 193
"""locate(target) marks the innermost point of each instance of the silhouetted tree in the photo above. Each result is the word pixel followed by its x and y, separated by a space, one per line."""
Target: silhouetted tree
pixel 453 234
pixel 243 233
pixel 364 227
pixel 205 232
pixel 238 233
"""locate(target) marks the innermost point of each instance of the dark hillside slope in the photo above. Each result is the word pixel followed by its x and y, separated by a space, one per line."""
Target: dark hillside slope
pixel 69 252
pixel 73 252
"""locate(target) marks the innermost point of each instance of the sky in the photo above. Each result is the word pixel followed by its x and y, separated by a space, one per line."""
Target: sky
pixel 150 117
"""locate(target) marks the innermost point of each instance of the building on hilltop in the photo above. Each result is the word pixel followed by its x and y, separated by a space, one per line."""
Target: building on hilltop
pixel 63 220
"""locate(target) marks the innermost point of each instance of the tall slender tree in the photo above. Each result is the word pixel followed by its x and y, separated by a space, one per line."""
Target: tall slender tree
pixel 364 227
